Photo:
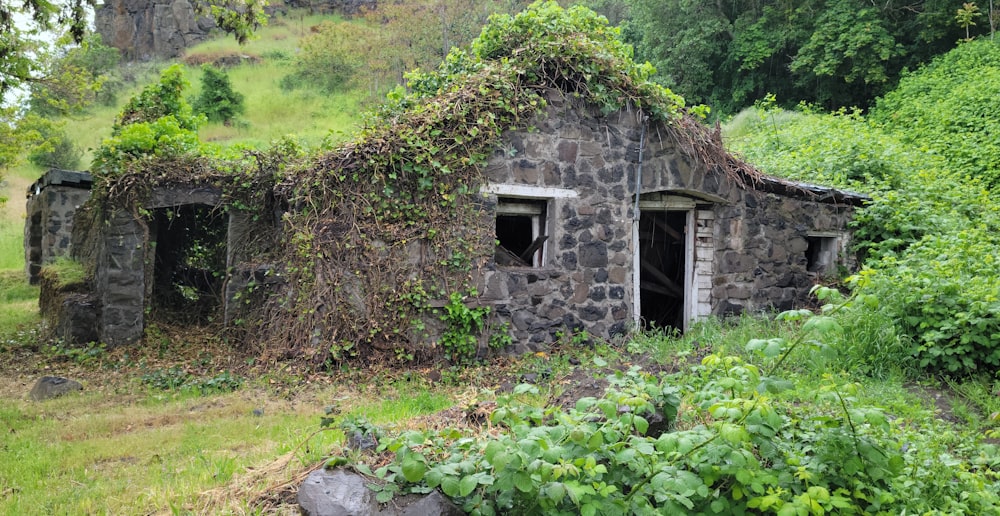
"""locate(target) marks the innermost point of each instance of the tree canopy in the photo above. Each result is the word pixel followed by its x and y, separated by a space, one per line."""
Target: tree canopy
pixel 833 53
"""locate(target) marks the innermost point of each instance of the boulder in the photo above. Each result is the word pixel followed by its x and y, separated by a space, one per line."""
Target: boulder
pixel 339 492
pixel 48 387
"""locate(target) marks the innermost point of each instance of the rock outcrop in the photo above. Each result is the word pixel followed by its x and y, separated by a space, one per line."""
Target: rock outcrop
pixel 144 30
pixel 148 29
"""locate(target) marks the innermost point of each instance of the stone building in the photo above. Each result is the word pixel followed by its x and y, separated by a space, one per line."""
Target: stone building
pixel 690 242
pixel 578 245
pixel 48 226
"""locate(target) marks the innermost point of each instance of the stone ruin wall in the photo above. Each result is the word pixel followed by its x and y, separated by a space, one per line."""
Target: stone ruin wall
pixel 585 282
pixel 48 226
pixel 760 256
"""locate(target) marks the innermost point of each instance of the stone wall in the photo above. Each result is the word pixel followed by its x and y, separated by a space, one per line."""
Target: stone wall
pixel 749 246
pixel 585 282
pixel 48 225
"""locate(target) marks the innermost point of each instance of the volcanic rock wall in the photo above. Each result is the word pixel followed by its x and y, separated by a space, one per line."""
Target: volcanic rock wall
pixel 148 29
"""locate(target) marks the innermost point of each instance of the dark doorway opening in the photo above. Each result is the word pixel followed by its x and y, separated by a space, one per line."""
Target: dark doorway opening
pixel 662 268
pixel 190 265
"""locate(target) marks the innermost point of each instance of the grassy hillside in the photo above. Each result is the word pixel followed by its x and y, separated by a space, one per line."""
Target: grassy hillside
pixel 270 114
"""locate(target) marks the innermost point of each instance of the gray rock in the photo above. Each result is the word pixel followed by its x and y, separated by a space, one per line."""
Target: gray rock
pixel 48 387
pixel 433 504
pixel 336 493
pixel 343 493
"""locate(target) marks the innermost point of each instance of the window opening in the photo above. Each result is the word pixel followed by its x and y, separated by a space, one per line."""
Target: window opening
pixel 190 264
pixel 521 233
pixel 662 268
pixel 821 253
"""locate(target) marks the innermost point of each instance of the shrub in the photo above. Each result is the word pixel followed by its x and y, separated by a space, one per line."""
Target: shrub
pixel 217 101
pixel 949 107
pixel 945 291
pixel 58 151
pixel 330 57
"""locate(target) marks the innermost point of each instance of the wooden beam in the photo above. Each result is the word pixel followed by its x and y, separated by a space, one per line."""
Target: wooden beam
pixel 529 253
pixel 668 230
pixel 667 283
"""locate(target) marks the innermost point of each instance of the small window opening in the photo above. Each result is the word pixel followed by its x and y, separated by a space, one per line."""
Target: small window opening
pixel 521 233
pixel 821 253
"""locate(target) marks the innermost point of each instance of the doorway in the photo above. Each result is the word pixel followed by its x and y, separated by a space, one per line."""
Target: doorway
pixel 664 271
pixel 190 263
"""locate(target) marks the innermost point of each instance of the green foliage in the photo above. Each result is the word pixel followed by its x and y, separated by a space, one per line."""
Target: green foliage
pixel 81 355
pixel 162 98
pixel 22 135
pixel 927 156
pixel 217 101
pixel 460 339
pixel 21 50
pixel 177 378
pixel 944 292
pixel 157 122
pixel 949 108
pixel 835 53
pixel 329 58
pixel 58 151
pixel 727 436
pixel 84 75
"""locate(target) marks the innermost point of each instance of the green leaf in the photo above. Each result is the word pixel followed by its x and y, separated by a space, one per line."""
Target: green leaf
pixel 523 482
pixel 595 442
pixel 641 425
pixel 554 491
pixel 450 487
pixel 414 468
pixel 384 496
pixel 467 485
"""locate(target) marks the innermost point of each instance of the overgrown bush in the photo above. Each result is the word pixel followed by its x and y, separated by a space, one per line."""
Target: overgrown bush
pixel 945 292
pixel 728 436
pixel 58 151
pixel 950 107
pixel 330 57
pixel 156 122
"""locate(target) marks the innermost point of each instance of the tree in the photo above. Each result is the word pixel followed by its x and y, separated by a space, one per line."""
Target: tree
pixel 217 101
pixel 83 75
pixel 20 45
pixel 834 53
pixel 966 15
